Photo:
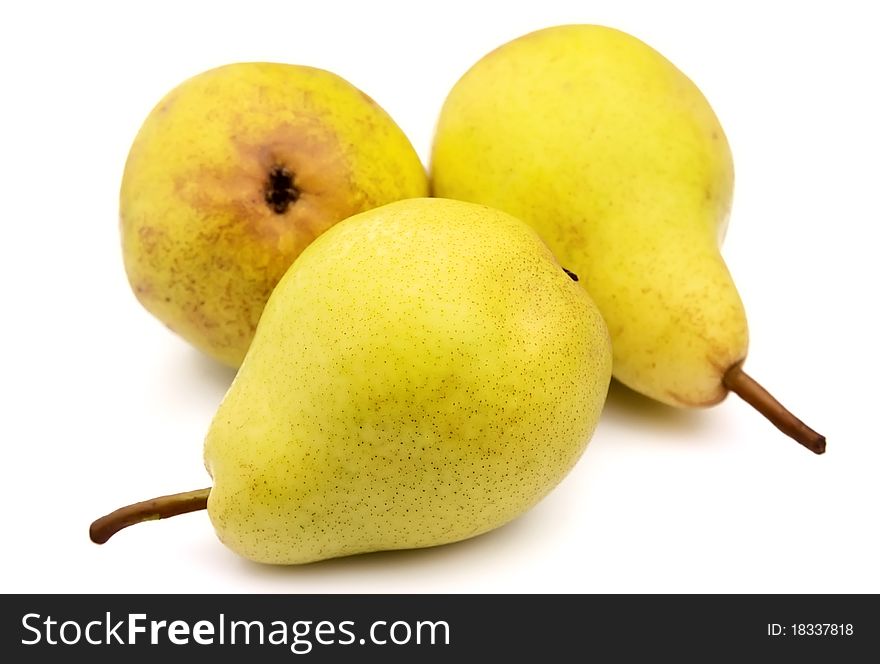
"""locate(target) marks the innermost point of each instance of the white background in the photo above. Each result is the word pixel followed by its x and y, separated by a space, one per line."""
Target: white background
pixel 100 405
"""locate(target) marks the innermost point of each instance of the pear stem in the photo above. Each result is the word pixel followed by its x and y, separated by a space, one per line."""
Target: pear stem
pixel 738 381
pixel 149 510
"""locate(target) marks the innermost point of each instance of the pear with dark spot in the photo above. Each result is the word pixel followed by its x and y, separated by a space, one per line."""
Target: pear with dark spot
pixel 233 174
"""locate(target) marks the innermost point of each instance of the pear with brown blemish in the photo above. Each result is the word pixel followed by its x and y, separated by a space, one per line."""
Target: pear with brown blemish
pixel 618 161
pixel 233 174
pixel 423 373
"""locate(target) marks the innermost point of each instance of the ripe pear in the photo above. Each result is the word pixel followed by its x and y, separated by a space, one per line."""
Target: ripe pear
pixel 615 157
pixel 424 372
pixel 233 174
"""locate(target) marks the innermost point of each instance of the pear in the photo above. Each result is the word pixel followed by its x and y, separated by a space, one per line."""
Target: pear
pixel 424 372
pixel 615 157
pixel 233 174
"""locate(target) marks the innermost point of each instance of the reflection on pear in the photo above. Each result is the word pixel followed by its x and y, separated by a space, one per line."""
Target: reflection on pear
pixel 424 372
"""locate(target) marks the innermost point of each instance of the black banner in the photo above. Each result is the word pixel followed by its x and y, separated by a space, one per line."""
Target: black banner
pixel 435 628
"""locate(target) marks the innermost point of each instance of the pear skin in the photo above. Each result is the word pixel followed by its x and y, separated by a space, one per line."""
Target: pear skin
pixel 425 372
pixel 616 158
pixel 233 174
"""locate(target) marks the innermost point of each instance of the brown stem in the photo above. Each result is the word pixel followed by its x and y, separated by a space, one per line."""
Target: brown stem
pixel 738 381
pixel 149 510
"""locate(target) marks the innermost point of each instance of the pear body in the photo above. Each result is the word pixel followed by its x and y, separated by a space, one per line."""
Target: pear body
pixel 615 157
pixel 423 373
pixel 233 174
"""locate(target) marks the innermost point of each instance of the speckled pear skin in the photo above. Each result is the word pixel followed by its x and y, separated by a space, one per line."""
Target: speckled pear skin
pixel 617 160
pixel 425 372
pixel 203 245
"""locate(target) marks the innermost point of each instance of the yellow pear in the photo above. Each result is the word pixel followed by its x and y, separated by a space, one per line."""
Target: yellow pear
pixel 424 372
pixel 618 161
pixel 233 174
